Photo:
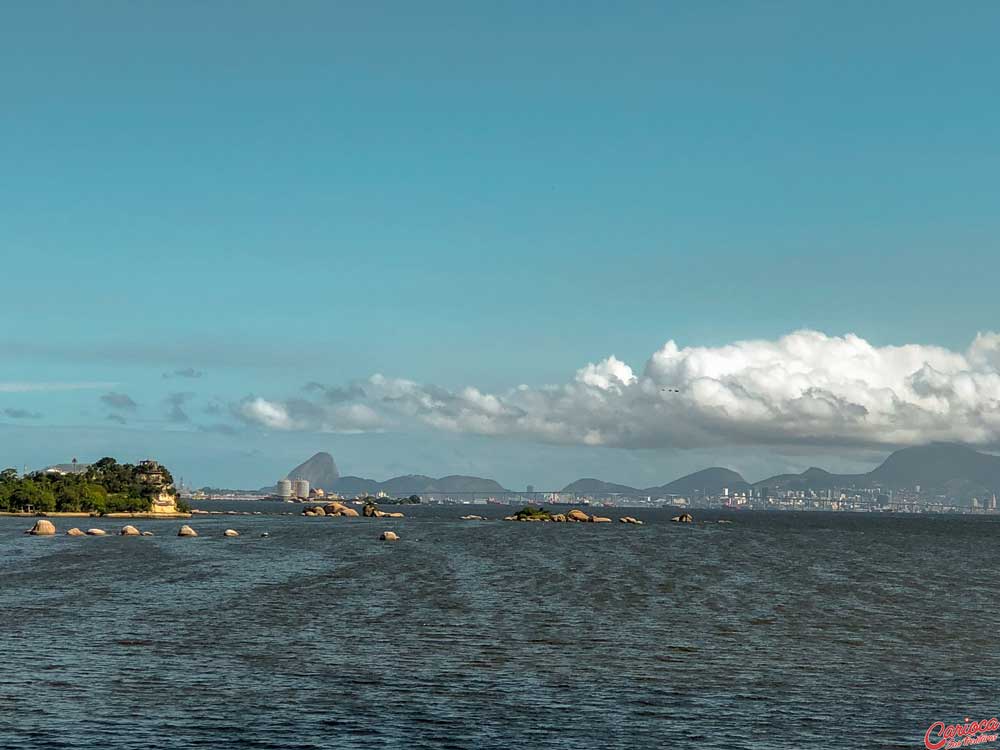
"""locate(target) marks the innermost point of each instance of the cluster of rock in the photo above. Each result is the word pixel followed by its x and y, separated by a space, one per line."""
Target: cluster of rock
pixel 630 519
pixel 133 531
pixel 574 516
pixel 683 518
pixel 332 509
pixel 372 511
pixel 44 527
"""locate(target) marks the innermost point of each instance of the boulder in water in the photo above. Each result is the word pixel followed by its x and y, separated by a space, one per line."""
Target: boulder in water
pixel 683 518
pixel 147 533
pixel 130 531
pixel 472 518
pixel 96 532
pixel 389 536
pixel 230 532
pixel 577 515
pixel 187 531
pixel 630 519
pixel 42 528
pixel 600 519
pixel 75 532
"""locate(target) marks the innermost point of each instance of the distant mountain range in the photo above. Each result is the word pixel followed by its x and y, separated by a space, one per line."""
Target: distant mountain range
pixel 938 468
pixel 321 472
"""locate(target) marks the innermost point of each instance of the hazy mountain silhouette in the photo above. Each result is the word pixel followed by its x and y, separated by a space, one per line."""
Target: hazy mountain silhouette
pixel 709 481
pixel 939 468
pixel 320 471
pixel 597 487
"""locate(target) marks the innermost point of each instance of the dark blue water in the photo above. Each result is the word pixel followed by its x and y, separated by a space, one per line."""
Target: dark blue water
pixel 778 630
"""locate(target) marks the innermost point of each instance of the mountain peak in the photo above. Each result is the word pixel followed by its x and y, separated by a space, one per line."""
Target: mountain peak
pixel 320 471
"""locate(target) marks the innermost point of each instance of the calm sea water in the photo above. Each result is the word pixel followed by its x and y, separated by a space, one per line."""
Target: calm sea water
pixel 778 630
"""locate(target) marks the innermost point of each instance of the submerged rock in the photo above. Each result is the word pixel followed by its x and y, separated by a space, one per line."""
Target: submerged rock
pixel 187 531
pixel 42 528
pixel 130 531
pixel 147 533
pixel 230 532
pixel 472 518
pixel 75 532
pixel 389 536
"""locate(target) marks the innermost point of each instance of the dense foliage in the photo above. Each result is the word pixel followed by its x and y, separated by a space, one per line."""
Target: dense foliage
pixel 411 500
pixel 537 514
pixel 105 487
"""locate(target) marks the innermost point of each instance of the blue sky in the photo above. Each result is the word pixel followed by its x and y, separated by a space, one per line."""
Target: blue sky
pixel 471 195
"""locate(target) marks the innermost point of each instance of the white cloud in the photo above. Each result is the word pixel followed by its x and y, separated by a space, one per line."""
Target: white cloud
pixel 806 387
pixel 803 387
pixel 270 414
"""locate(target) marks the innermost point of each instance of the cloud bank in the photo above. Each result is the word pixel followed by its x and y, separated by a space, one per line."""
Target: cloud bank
pixel 806 387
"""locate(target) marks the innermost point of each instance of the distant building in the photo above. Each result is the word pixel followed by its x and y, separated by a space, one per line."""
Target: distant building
pixel 285 489
pixel 300 488
pixel 75 467
pixel 531 488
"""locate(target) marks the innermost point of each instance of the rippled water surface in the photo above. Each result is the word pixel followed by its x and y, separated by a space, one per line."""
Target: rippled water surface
pixel 777 630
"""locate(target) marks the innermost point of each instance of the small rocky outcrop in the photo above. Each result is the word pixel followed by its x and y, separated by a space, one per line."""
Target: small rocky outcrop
pixel 318 511
pixel 96 532
pixel 230 532
pixel 370 511
pixel 75 532
pixel 339 509
pixel 683 518
pixel 559 517
pixel 42 528
pixel 577 515
pixel 630 519
pixel 187 531
pixel 389 536
pixel 130 531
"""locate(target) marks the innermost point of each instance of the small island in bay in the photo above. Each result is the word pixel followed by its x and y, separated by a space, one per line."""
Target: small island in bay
pixel 104 488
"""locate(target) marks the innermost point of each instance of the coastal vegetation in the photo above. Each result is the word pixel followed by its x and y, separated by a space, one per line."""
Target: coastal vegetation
pixel 532 513
pixel 103 487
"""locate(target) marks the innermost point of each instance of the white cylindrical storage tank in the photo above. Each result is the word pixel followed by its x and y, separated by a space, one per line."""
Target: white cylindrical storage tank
pixel 301 488
pixel 285 489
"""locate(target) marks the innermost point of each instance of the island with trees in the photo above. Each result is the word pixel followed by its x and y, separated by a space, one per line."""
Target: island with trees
pixel 103 488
